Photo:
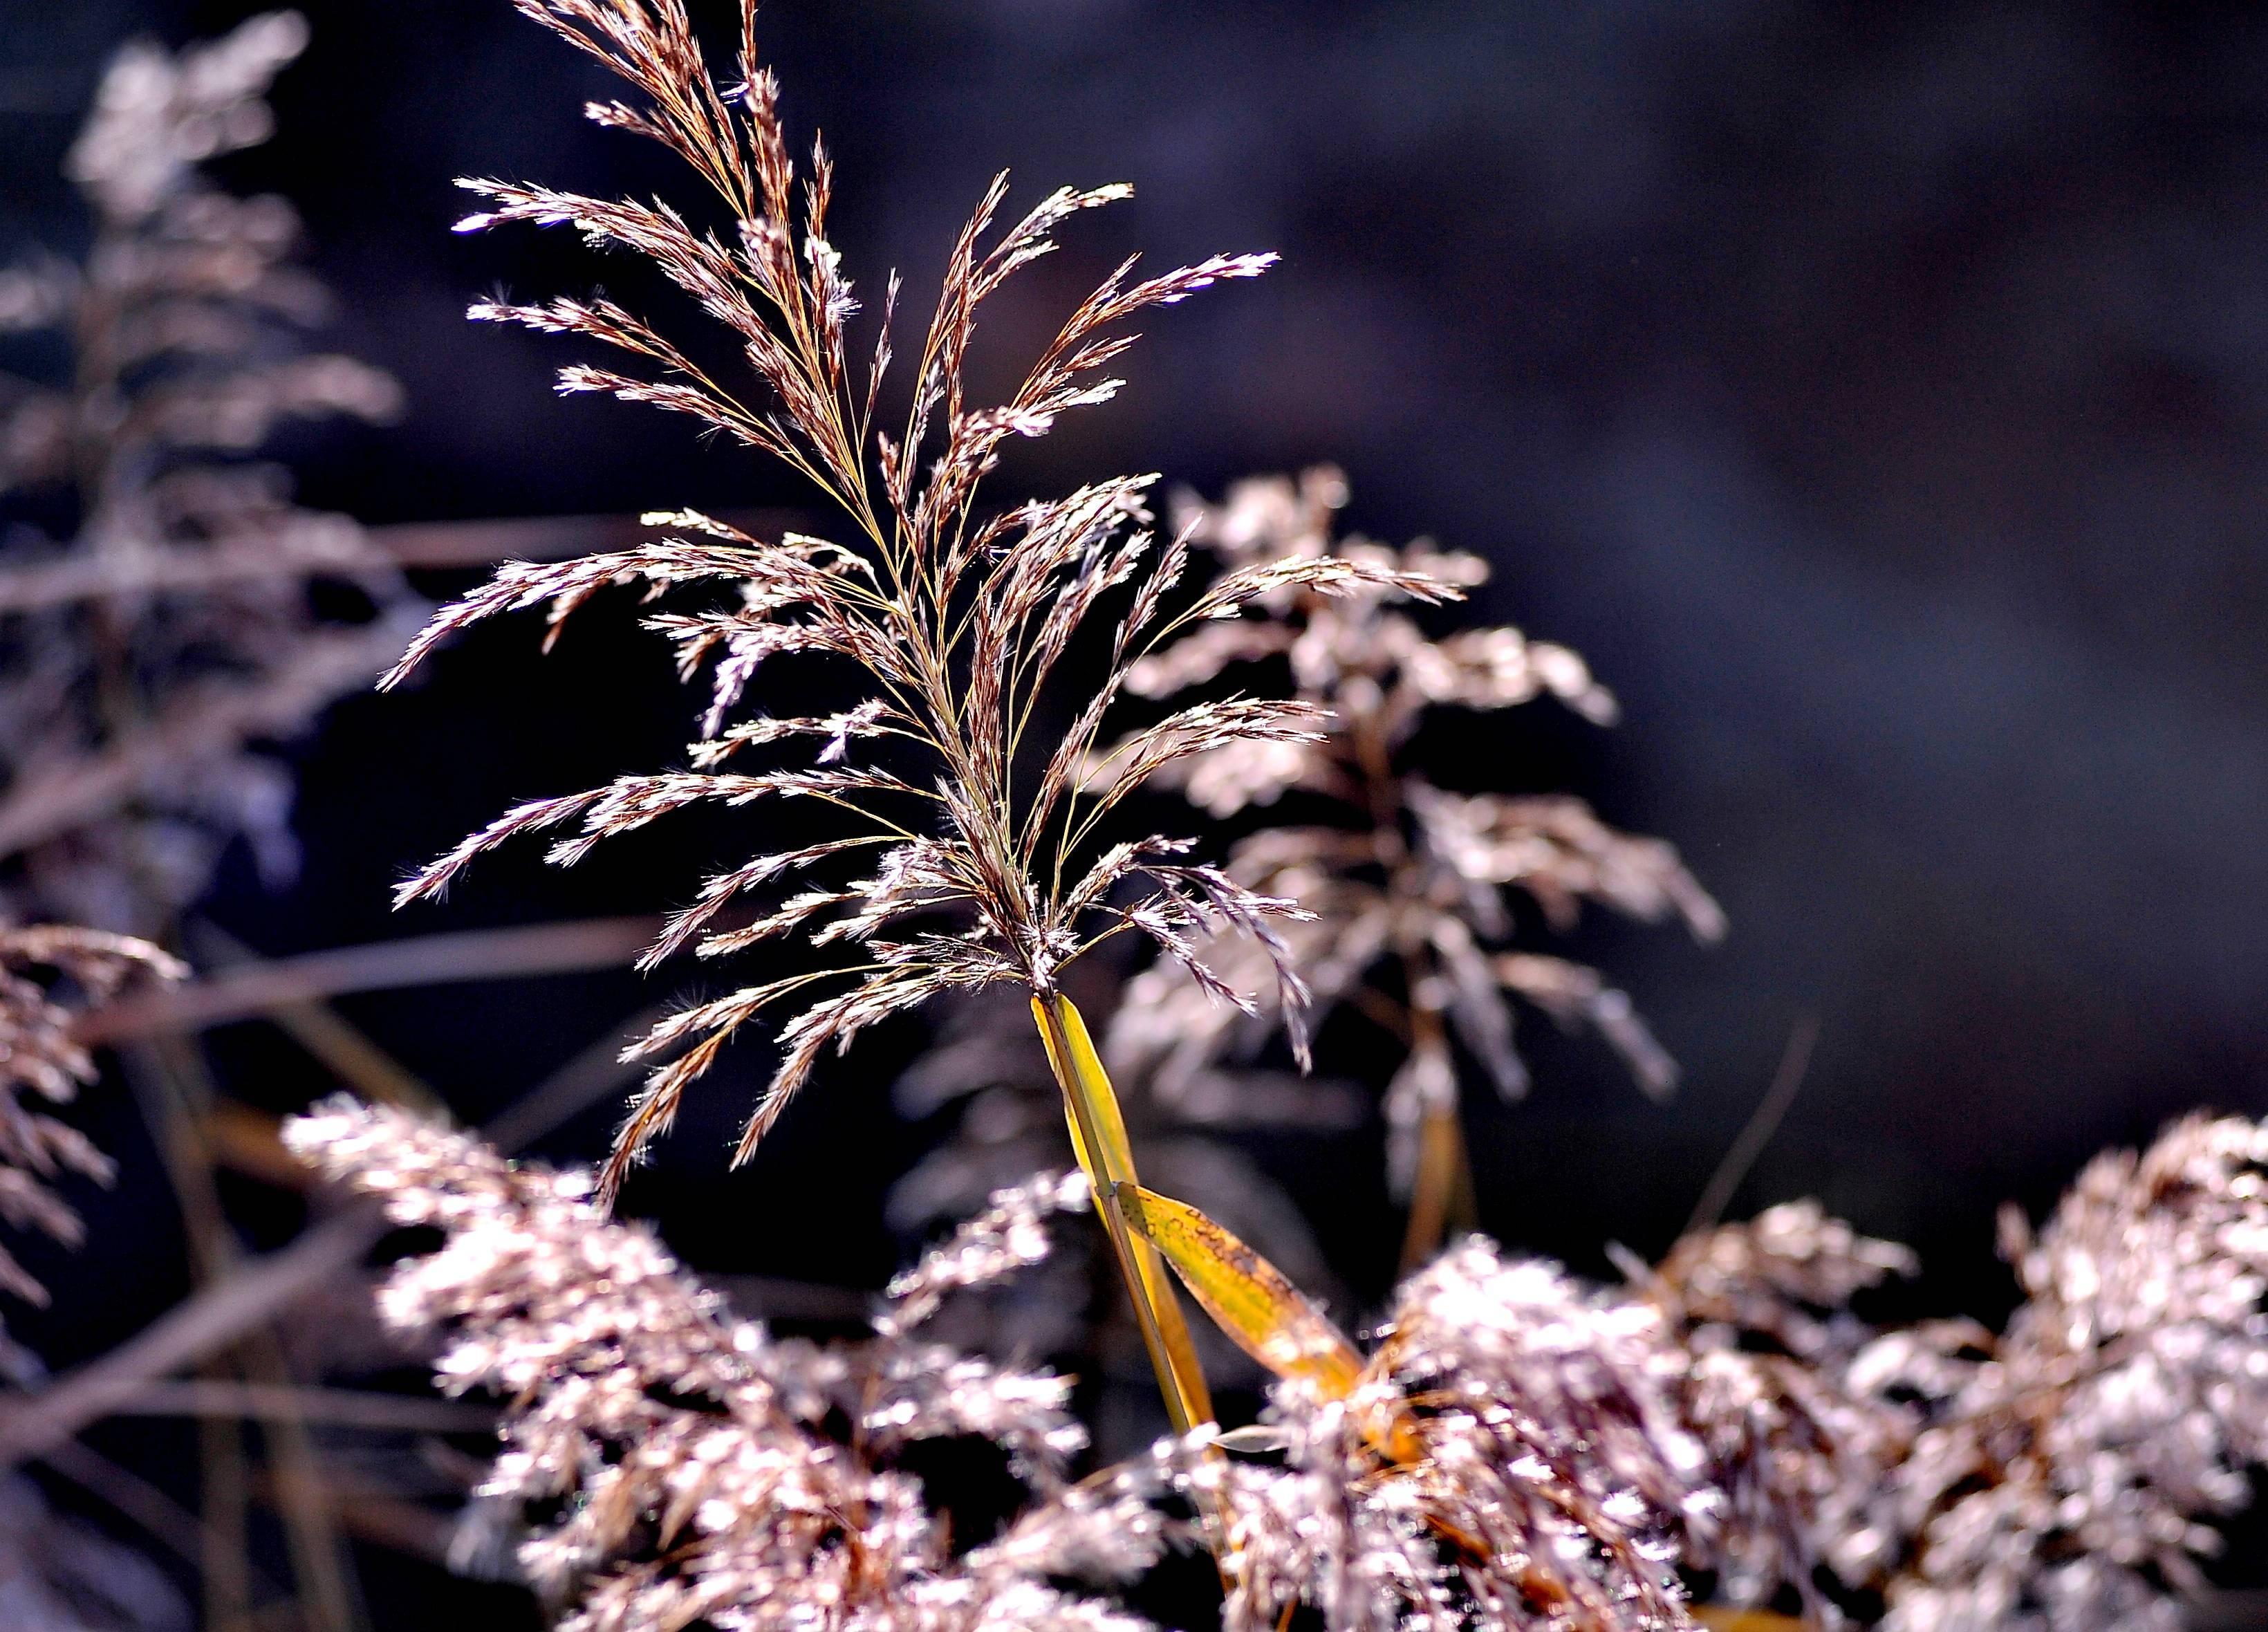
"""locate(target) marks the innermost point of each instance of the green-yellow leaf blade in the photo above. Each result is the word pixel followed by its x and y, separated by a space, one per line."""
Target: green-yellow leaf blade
pixel 1079 1069
pixel 1248 1297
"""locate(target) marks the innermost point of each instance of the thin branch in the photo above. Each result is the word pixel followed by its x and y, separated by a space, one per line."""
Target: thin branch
pixel 461 955
pixel 376 1515
pixel 36 1421
pixel 134 1498
pixel 1717 1195
pixel 546 538
pixel 158 571
pixel 325 1033
pixel 283 1402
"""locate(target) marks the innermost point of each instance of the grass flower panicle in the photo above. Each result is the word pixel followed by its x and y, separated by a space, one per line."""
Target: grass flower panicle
pixel 987 858
pixel 681 1466
pixel 1410 887
pixel 2065 1475
pixel 2069 1475
pixel 956 616
pixel 41 1059
pixel 1510 1455
pixel 175 628
pixel 1761 1313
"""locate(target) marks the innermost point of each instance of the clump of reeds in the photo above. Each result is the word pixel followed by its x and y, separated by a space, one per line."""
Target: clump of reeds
pixel 168 625
pixel 40 1060
pixel 1410 888
pixel 2065 1474
pixel 679 1465
pixel 981 840
pixel 1508 1456
pixel 1517 1449
pixel 1521 1452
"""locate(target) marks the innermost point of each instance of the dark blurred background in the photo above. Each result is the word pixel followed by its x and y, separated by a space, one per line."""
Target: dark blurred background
pixel 1877 395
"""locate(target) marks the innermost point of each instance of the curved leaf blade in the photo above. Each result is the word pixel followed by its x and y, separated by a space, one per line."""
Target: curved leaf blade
pixel 1248 1297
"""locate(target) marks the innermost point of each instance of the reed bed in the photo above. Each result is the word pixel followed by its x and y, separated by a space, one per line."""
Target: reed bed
pixel 1168 754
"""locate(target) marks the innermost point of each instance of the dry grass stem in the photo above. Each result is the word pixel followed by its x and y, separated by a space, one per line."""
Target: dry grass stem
pixel 471 955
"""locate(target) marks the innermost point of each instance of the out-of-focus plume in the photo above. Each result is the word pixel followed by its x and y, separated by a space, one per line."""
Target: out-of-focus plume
pixel 1410 887
pixel 2065 1476
pixel 159 594
pixel 1762 1313
pixel 42 1062
pixel 2068 1476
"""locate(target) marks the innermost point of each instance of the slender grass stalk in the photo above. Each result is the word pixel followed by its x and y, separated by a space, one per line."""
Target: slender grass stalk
pixel 1444 1172
pixel 1098 1133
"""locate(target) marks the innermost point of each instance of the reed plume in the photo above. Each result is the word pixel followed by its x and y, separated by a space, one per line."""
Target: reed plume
pixel 1761 1314
pixel 2072 1477
pixel 985 861
pixel 40 1060
pixel 680 1465
pixel 1510 1456
pixel 170 627
pixel 1409 886
pixel 2062 1476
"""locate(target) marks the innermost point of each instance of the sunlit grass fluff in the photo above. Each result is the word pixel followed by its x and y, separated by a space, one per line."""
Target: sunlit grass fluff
pixel 1416 894
pixel 679 1466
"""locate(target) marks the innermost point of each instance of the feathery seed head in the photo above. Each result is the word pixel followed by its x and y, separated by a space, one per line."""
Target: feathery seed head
pixel 684 1466
pixel 1545 1482
pixel 177 626
pixel 41 1059
pixel 2066 1474
pixel 1397 872
pixel 984 861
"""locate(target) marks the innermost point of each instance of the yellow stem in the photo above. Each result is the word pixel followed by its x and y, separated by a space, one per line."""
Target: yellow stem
pixel 1439 1158
pixel 1098 1132
pixel 1441 1189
